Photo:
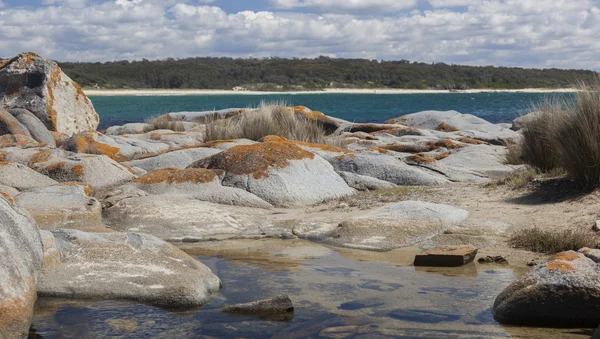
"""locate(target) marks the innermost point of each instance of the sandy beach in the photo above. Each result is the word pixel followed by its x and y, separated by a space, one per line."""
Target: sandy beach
pixel 168 92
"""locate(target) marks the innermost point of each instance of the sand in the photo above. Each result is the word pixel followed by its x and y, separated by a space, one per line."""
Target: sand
pixel 173 92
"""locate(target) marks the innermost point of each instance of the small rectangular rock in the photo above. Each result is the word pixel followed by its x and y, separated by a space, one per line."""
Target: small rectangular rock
pixel 447 256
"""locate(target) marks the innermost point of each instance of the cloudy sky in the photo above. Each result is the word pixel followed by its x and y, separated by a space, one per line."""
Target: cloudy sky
pixel 528 33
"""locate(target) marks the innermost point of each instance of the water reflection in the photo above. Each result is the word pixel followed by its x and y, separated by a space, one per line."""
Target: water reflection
pixel 335 296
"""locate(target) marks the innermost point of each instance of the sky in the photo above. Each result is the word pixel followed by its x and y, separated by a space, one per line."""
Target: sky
pixel 524 33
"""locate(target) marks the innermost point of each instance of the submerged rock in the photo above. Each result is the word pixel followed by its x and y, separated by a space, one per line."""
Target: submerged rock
pixel 563 292
pixel 21 249
pixel 277 308
pixel 397 225
pixel 38 85
pixel 447 256
pixel 130 266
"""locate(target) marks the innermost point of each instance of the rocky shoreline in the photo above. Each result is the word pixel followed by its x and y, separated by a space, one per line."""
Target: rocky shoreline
pixel 91 215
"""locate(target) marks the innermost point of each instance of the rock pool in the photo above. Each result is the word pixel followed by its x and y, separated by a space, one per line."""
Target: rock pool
pixel 338 293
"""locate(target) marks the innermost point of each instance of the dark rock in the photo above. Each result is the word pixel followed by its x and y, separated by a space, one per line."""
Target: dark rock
pixel 493 260
pixel 279 308
pixel 562 292
pixel 447 256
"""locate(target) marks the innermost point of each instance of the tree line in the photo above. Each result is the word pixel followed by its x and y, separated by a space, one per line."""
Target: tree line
pixel 312 74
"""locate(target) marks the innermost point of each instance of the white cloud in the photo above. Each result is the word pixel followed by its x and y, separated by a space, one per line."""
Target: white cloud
pixel 67 3
pixel 347 6
pixel 531 33
pixel 451 3
pixel 2 4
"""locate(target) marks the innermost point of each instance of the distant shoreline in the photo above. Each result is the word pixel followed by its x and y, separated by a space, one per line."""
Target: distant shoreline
pixel 176 92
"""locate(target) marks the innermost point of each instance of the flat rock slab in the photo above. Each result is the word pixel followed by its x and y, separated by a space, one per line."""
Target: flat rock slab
pixel 447 256
pixel 129 266
pixel 279 308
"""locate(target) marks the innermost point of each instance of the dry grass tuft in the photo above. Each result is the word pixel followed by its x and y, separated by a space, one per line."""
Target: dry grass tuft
pixel 268 119
pixel 369 199
pixel 544 241
pixel 162 122
pixel 565 133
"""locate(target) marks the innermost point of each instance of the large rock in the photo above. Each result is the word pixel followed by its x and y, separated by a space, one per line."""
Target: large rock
pixel 99 171
pixel 34 126
pixel 21 249
pixel 364 183
pixel 468 125
pixel 128 266
pixel 174 159
pixel 22 177
pixel 447 256
pixel 397 225
pixel 176 218
pixel 387 168
pixel 563 292
pixel 199 184
pixel 37 84
pixel 62 206
pixel 280 173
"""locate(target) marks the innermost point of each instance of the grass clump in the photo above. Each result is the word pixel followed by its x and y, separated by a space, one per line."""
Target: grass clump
pixel 565 133
pixel 444 127
pixel 268 119
pixel 163 122
pixel 369 199
pixel 550 242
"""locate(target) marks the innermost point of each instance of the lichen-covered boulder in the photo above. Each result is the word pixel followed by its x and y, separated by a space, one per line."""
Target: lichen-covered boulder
pixel 22 177
pixel 466 125
pixel 62 206
pixel 199 184
pixel 563 292
pixel 280 173
pixel 37 84
pixel 328 123
pixel 22 254
pixel 128 266
pixel 99 171
pixel 396 225
pixel 17 140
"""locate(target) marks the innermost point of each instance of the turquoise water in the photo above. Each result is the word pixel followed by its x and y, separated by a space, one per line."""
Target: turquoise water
pixel 494 107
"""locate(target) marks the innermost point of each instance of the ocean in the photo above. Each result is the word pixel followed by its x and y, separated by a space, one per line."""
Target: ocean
pixel 494 107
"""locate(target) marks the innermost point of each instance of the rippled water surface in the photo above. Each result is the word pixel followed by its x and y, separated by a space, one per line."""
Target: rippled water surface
pixel 494 107
pixel 337 294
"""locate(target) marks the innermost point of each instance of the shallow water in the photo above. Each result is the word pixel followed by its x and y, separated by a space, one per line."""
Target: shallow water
pixel 337 294
pixel 494 107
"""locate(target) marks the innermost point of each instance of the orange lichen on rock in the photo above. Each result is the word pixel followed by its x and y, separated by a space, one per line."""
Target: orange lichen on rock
pixel 467 140
pixel 565 256
pixel 18 140
pixel 445 143
pixel 323 147
pixel 212 144
pixel 444 127
pixel 53 81
pixel 377 149
pixel 87 188
pixel 41 156
pixel 59 138
pixel 77 170
pixel 12 123
pixel 257 159
pixel 442 156
pixel 407 148
pixel 58 166
pixel 178 176
pixel 368 128
pixel 563 267
pixel 344 156
pixel 421 158
pixel 399 131
pixel 8 198
pixel 86 143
